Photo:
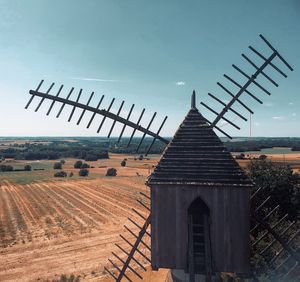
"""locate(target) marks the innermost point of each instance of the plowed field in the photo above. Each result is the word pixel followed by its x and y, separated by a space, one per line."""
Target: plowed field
pixel 66 227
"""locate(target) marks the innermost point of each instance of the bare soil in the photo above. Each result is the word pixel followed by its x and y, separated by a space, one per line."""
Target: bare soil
pixel 50 228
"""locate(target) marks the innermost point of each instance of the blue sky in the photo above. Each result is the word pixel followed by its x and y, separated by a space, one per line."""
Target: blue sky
pixel 151 53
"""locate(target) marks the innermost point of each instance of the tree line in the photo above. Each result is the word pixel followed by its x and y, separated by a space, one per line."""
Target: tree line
pixel 55 150
pixel 263 143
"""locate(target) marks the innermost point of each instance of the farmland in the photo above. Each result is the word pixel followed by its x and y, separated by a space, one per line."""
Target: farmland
pixel 54 227
pixel 61 226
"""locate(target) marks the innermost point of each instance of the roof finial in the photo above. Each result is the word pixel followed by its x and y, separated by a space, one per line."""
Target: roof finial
pixel 193 102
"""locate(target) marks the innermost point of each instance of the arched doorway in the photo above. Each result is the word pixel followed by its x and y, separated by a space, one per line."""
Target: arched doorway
pixel 199 251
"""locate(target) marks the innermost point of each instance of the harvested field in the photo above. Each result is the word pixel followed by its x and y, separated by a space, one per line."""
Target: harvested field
pixel 70 226
pixel 293 160
pixel 53 228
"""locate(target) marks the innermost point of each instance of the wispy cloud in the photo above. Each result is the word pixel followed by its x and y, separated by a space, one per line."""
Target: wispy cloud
pixel 180 83
pixel 279 118
pixel 88 78
pixel 269 104
pixel 291 103
pixel 257 124
pixel 294 114
pixel 94 79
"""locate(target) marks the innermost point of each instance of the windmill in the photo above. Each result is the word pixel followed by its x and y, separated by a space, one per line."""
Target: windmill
pixel 199 177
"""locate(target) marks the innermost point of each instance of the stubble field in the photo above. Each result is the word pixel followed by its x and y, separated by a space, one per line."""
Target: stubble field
pixel 63 227
pixel 51 227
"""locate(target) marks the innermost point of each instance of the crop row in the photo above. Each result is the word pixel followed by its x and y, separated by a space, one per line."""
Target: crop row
pixel 41 211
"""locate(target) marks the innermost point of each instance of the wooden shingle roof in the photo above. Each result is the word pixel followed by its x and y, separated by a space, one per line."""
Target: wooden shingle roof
pixel 196 155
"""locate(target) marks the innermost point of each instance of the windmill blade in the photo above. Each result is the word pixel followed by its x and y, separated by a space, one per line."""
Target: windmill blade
pixel 259 71
pixel 134 249
pixel 31 98
pixel 105 113
pixel 275 243
pixel 154 139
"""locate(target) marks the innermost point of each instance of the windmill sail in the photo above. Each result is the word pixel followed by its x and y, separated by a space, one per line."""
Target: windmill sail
pixel 105 113
pixel 244 88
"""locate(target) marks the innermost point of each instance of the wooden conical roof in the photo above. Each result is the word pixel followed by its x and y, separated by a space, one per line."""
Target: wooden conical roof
pixel 196 155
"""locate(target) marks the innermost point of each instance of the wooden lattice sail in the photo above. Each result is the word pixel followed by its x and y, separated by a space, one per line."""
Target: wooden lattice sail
pixel 85 108
pixel 262 73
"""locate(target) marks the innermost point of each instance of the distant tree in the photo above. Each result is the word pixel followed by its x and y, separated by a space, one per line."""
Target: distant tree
pixel 85 165
pixel 240 156
pixel 95 155
pixel 91 158
pixel 71 174
pixel 78 164
pixel 6 168
pixel 9 168
pixel 60 174
pixel 83 172
pixel 62 162
pixel 103 155
pixel 27 167
pixel 57 165
pixel 123 163
pixel 262 157
pixel 53 156
pixel 141 157
pixel 111 172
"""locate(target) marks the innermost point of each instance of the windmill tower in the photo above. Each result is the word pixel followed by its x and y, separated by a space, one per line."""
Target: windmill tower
pixel 200 203
pixel 201 206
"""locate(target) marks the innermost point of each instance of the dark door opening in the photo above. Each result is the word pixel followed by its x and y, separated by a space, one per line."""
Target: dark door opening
pixel 199 256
